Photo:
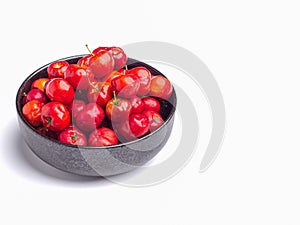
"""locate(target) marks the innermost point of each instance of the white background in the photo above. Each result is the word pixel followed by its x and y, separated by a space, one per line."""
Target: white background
pixel 251 47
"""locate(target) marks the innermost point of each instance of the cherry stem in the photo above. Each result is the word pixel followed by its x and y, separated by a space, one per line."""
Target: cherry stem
pixel 89 50
pixel 126 68
pixel 115 96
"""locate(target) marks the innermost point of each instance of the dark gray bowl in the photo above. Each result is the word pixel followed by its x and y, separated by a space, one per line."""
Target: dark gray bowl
pixel 96 161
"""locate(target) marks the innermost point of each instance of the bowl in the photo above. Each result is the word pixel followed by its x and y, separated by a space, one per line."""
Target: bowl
pixel 96 161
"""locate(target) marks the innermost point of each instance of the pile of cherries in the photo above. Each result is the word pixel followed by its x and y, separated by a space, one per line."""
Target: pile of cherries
pixel 97 101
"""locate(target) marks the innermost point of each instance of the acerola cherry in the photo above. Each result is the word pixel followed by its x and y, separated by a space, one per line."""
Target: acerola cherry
pixel 144 76
pixel 103 137
pixel 34 94
pixel 72 136
pixel 60 90
pixel 139 125
pixel 99 92
pixel 154 118
pixel 160 87
pixel 79 76
pixel 126 86
pixel 39 83
pixel 118 109
pixel 151 104
pixel 55 116
pixel 32 112
pixel 75 107
pixel 137 105
pixel 57 69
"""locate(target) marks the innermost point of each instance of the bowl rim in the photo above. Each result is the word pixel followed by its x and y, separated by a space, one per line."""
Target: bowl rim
pixel 19 109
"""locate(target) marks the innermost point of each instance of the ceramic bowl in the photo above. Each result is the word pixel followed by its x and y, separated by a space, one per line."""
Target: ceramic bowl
pixel 96 161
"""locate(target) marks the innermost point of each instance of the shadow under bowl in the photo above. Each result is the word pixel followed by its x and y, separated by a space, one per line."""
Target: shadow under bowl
pixel 96 161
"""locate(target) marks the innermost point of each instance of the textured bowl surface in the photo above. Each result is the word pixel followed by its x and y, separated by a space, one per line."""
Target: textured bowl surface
pixel 96 161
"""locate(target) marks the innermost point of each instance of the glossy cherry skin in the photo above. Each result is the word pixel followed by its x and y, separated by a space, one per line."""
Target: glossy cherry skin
pixel 101 64
pixel 39 84
pixel 34 94
pixel 90 117
pixel 60 90
pixel 57 69
pixel 137 105
pixel 100 92
pixel 126 86
pixel 72 136
pixel 75 107
pixel 160 87
pixel 154 118
pixel 139 125
pixel 144 76
pixel 79 76
pixel 123 131
pixel 84 61
pixel 119 57
pixel 101 49
pixel 118 109
pixel 103 137
pixel 55 116
pixel 32 112
pixel 151 104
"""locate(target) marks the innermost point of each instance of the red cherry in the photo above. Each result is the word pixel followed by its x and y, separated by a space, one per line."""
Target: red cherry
pixel 72 136
pixel 103 137
pixel 39 83
pixel 100 49
pixel 151 104
pixel 118 109
pixel 119 57
pixel 32 112
pixel 101 64
pixel 90 117
pixel 55 116
pixel 144 76
pixel 126 86
pixel 84 61
pixel 99 92
pixel 34 94
pixel 60 90
pixel 78 76
pixel 139 125
pixel 57 69
pixel 160 87
pixel 137 105
pixel 154 118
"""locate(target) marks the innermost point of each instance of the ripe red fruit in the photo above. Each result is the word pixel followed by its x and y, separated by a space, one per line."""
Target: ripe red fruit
pixel 78 76
pixel 151 104
pixel 34 94
pixel 112 76
pixel 60 90
pixel 90 117
pixel 99 92
pixel 144 76
pixel 101 64
pixel 103 137
pixel 39 83
pixel 139 125
pixel 126 86
pixel 57 69
pixel 160 87
pixel 137 105
pixel 118 109
pixel 84 61
pixel 72 136
pixel 32 112
pixel 55 116
pixel 154 118
pixel 119 57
